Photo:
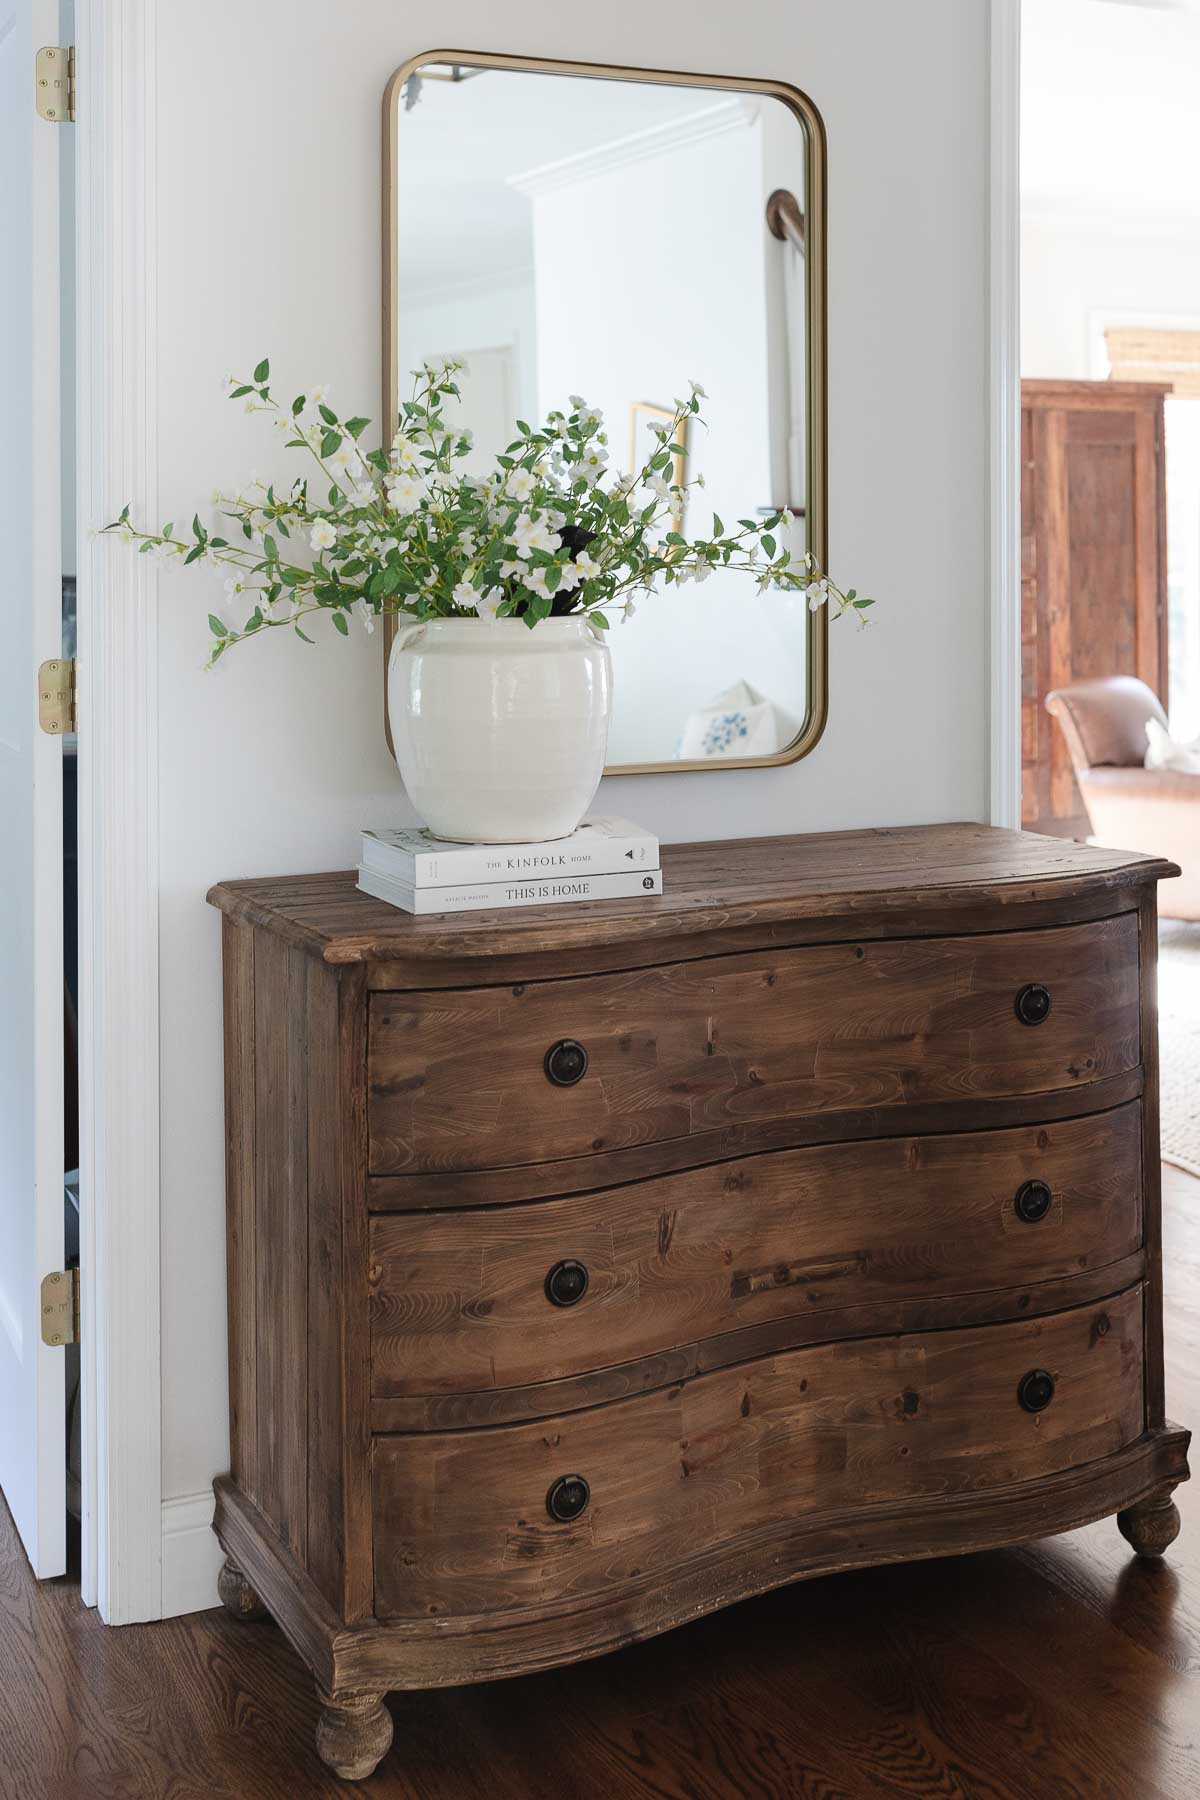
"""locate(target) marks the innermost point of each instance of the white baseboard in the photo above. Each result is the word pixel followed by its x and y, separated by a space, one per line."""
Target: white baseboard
pixel 191 1555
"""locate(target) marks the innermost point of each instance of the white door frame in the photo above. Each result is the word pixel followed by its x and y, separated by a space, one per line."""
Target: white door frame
pixel 116 233
pixel 1004 406
pixel 118 750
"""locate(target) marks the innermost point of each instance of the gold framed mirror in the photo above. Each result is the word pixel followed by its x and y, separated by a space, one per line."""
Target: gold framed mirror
pixel 578 227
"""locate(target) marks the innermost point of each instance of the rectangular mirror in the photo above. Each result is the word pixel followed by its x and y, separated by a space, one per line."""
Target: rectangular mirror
pixel 616 233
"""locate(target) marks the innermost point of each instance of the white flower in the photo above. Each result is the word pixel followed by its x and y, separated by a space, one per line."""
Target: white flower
pixel 464 595
pixel 535 581
pixel 362 493
pixel 467 540
pixel 344 457
pixel 466 436
pixel 816 595
pixel 529 534
pixel 318 395
pixel 658 486
pixel 232 586
pixel 577 400
pixel 698 392
pixel 586 567
pixel 590 415
pixel 486 604
pixel 700 481
pixel 591 465
pixel 630 609
pixel 404 452
pixel 322 536
pixel 405 493
pixel 366 614
pixel 702 571
pixel 509 569
pixel 281 424
pixel 520 483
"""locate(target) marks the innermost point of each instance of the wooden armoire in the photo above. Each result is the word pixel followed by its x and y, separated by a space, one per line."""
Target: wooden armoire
pixel 1093 565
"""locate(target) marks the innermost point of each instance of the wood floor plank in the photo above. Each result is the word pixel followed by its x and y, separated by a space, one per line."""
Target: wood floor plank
pixel 1066 1670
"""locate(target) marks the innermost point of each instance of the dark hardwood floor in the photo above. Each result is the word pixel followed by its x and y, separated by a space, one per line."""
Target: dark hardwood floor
pixel 1063 1671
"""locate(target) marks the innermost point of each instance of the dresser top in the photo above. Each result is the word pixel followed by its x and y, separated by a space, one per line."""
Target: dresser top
pixel 893 879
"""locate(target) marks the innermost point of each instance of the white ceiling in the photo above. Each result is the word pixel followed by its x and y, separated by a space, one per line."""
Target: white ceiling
pixel 1110 101
pixel 462 143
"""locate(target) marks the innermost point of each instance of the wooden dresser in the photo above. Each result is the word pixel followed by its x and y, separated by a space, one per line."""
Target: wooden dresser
pixel 594 1267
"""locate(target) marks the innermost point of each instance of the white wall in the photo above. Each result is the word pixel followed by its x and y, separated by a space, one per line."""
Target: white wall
pixel 268 186
pixel 1077 270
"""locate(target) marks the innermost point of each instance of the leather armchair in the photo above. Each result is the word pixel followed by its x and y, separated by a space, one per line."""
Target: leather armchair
pixel 1131 807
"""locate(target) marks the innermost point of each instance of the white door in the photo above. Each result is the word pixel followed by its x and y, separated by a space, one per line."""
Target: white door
pixel 32 1462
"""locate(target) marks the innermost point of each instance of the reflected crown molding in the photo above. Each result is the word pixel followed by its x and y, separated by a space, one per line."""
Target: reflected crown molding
pixel 637 146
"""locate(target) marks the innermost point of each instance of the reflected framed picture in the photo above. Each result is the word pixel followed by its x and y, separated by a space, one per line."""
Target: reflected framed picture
pixel 643 416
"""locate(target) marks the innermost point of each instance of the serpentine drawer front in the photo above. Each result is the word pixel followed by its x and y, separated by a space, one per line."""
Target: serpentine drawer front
pixel 461 1518
pixel 470 1302
pixel 466 1079
pixel 592 1267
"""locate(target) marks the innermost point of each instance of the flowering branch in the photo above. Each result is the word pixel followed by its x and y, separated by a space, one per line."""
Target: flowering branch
pixel 403 533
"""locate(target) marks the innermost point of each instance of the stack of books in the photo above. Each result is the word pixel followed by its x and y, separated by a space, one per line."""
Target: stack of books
pixel 605 859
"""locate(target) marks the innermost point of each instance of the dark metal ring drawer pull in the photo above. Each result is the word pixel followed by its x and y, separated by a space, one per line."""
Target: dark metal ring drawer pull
pixel 566 1284
pixel 566 1063
pixel 568 1498
pixel 1033 1004
pixel 1036 1390
pixel 1032 1202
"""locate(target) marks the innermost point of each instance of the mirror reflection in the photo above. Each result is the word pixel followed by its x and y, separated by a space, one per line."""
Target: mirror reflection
pixel 617 239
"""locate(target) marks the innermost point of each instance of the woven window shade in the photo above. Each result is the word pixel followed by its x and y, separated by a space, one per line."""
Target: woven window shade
pixel 1145 354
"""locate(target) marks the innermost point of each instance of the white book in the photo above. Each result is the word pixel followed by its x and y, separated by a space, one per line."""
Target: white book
pixel 600 846
pixel 532 891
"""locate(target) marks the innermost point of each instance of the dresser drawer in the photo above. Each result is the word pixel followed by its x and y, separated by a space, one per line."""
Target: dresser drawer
pixel 480 1078
pixel 462 1520
pixel 477 1301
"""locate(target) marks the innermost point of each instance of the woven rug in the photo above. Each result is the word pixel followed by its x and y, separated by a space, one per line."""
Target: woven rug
pixel 1179 1041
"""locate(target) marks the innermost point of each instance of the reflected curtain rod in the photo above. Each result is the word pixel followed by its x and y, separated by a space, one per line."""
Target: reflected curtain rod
pixel 785 219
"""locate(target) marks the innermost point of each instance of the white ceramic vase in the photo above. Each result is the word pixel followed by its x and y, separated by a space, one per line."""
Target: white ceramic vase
pixel 500 732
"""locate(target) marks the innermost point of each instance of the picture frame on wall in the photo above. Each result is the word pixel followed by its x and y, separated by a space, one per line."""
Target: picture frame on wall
pixel 642 415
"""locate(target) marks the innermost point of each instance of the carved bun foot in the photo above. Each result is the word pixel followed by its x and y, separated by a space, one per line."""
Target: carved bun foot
pixel 237 1596
pixel 354 1734
pixel 1151 1525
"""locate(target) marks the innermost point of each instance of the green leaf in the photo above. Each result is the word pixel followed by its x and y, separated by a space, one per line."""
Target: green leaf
pixel 339 620
pixel 124 518
pixel 330 442
pixel 263 370
pixel 327 414
pixel 192 554
pixel 599 619
pixel 217 626
pixel 271 548
pixel 356 427
pixel 768 544
pixel 523 428
pixel 301 634
pixel 292 577
pixel 298 405
pixel 255 619
pixel 718 528
pixel 851 593
pixel 237 392
pixel 167 530
pixel 862 603
pixel 218 543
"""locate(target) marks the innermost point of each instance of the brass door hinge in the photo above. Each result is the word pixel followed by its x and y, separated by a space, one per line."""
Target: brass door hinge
pixel 60 1308
pixel 54 83
pixel 56 695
